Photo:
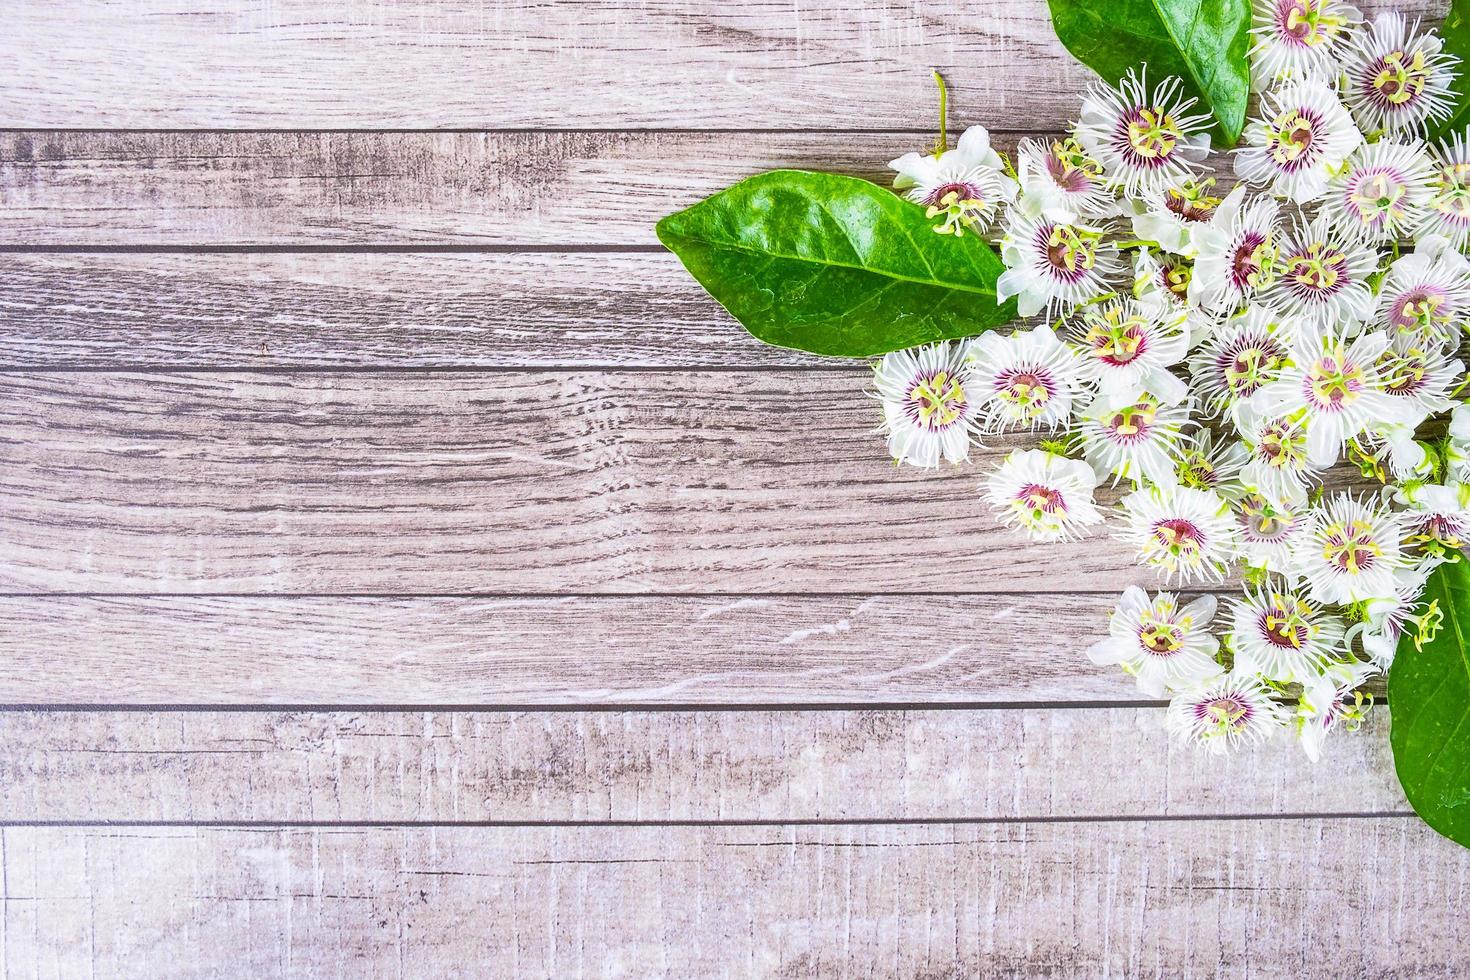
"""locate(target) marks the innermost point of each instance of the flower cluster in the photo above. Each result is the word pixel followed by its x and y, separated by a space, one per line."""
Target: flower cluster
pixel 1216 353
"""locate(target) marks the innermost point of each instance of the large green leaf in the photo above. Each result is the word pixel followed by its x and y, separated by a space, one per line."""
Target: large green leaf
pixel 1204 42
pixel 1429 697
pixel 1456 34
pixel 835 265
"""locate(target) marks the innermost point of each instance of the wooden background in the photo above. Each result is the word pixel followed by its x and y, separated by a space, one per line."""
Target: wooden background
pixel 408 572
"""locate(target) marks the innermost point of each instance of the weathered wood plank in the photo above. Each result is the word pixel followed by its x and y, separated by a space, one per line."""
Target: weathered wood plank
pixel 1301 898
pixel 327 63
pixel 550 650
pixel 529 309
pixel 659 766
pixel 525 482
pixel 490 189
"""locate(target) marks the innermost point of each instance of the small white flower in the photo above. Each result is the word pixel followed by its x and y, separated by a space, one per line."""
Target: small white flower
pixel 1061 183
pixel 1394 442
pixel 1324 275
pixel 1239 359
pixel 1226 713
pixel 1447 212
pixel 929 403
pixel 1268 533
pixel 1427 292
pixel 1168 215
pixel 1382 192
pixel 1161 644
pixel 1304 136
pixel 1294 39
pixel 1284 637
pixel 1053 266
pixel 1142 138
pixel 1328 699
pixel 1162 277
pixel 1398 79
pixel 1338 387
pixel 1138 442
pixel 1437 521
pixel 1457 448
pixel 1128 346
pixel 1389 616
pixel 1208 462
pixel 1236 252
pixel 1047 496
pixel 1025 380
pixel 1419 376
pixel 1181 532
pixel 966 185
pixel 1242 356
pixel 1279 466
pixel 1350 551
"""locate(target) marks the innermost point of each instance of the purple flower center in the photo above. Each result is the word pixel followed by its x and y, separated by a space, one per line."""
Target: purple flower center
pixel 962 192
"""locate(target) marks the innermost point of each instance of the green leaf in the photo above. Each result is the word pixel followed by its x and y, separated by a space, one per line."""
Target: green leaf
pixel 1429 697
pixel 835 265
pixel 1204 42
pixel 1456 34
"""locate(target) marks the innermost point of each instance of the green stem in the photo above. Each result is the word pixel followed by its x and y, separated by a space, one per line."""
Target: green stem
pixel 943 143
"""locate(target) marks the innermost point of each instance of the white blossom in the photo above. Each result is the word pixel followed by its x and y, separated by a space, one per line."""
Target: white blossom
pixel 1284 636
pixel 1026 380
pixel 1383 191
pixel 1165 646
pixel 1167 216
pixel 1050 497
pixel 1139 441
pixel 1181 532
pixel 929 403
pixel 1427 292
pixel 1296 39
pixel 1223 714
pixel 1398 78
pixel 1061 183
pixel 1447 211
pixel 1235 253
pixel 1127 348
pixel 1350 551
pixel 1329 699
pixel 1325 275
pixel 1053 266
pixel 1304 136
pixel 966 185
pixel 1144 138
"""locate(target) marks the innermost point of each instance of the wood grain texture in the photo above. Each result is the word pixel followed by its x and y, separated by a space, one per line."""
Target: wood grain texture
pixel 498 63
pixel 355 188
pixel 516 63
pixel 529 309
pixel 1300 898
pixel 526 482
pixel 555 650
pixel 434 766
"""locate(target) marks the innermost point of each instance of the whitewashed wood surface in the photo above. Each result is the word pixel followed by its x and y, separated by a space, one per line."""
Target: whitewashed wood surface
pixel 407 571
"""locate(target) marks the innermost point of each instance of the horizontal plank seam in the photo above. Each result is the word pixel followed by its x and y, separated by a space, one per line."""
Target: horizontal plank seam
pixel 599 707
pixel 628 596
pixel 774 822
pixel 836 365
pixel 919 132
pixel 345 248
